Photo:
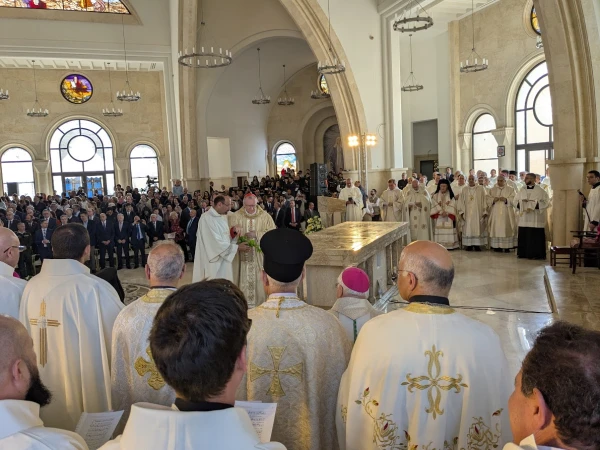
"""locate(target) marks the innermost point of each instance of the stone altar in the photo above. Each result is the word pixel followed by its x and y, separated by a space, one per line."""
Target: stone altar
pixel 373 246
pixel 332 211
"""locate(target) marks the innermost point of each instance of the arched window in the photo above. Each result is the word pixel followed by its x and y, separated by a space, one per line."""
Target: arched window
pixel 17 172
pixel 535 22
pixel 81 153
pixel 485 146
pixel 323 86
pixel 534 126
pixel 144 164
pixel 285 157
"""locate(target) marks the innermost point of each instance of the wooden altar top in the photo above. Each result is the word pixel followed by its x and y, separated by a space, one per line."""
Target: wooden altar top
pixel 352 243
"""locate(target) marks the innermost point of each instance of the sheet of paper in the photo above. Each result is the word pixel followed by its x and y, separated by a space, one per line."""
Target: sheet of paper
pixel 262 416
pixel 96 429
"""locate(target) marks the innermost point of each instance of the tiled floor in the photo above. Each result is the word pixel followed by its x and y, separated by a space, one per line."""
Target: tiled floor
pixel 508 293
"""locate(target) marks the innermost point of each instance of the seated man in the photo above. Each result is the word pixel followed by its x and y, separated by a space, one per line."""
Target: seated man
pixel 22 394
pixel 424 375
pixel 352 307
pixel 198 341
pixel 557 392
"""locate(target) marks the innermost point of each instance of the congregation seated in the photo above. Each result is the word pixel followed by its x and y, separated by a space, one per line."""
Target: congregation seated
pixel 22 394
pixel 198 342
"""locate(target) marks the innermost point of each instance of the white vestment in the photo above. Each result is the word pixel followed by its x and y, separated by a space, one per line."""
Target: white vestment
pixel 502 223
pixel 70 313
pixel 353 313
pixel 450 385
pixel 22 429
pixel 353 211
pixel 159 427
pixel 431 188
pixel 593 208
pixel 134 375
pixel 418 216
pixel 215 249
pixel 12 291
pixel 444 230
pixel 457 189
pixel 471 207
pixel 391 213
pixel 531 214
pixel 528 444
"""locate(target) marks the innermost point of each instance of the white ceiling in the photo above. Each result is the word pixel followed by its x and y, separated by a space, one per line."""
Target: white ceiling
pixel 78 64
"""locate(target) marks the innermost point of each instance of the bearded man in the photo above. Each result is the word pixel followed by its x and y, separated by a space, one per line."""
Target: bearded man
pixel 248 263
pixel 417 203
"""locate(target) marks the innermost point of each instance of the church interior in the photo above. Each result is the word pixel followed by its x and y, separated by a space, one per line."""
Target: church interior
pixel 99 93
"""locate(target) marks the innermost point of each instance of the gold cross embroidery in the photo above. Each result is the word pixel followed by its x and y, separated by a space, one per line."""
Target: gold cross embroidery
pixel 43 323
pixel 434 388
pixel 275 388
pixel 143 367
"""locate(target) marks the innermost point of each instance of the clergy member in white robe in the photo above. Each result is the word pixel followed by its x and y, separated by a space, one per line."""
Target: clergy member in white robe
pixel 354 202
pixel 296 352
pixel 443 213
pixel 591 212
pixel 20 423
pixel 391 203
pixel 446 385
pixel 70 314
pixel 134 375
pixel 531 203
pixel 352 307
pixel 248 263
pixel 215 246
pixel 417 204
pixel 502 223
pixel 472 209
pixel 11 286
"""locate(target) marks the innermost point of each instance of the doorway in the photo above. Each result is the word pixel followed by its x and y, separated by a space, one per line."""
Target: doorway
pixel 426 168
pixel 93 184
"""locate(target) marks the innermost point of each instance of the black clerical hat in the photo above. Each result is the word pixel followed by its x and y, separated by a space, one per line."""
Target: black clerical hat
pixel 285 252
pixel 513 172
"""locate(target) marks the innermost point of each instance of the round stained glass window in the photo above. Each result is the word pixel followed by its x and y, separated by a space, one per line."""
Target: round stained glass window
pixel 76 89
pixel 82 148
pixel 535 22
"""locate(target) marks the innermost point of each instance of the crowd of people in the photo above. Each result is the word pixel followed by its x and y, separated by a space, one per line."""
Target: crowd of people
pixel 177 359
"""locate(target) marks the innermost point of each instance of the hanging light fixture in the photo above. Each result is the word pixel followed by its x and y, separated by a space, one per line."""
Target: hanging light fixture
pixel 127 95
pixel 333 66
pixel 4 94
pixel 261 98
pixel 200 57
pixel 411 84
pixel 37 110
pixel 322 91
pixel 286 100
pixel 410 23
pixel 474 62
pixel 111 111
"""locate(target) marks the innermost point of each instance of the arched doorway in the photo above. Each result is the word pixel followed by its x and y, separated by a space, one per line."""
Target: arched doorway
pixel 81 154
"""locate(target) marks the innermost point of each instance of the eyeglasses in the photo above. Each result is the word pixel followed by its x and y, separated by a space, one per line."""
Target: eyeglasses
pixel 21 248
pixel 405 273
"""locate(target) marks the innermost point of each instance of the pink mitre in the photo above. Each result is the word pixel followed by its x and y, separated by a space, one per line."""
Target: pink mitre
pixel 355 282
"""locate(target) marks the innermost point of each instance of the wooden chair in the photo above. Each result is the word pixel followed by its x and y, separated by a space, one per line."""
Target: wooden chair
pixel 585 248
pixel 560 255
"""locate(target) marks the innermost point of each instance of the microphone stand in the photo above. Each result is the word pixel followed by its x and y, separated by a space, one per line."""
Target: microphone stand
pixel 585 205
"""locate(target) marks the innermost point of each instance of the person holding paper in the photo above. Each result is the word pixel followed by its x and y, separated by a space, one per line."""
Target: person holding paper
pixel 296 352
pixel 22 393
pixel 354 202
pixel 531 204
pixel 472 210
pixel 70 313
pixel 134 375
pixel 198 341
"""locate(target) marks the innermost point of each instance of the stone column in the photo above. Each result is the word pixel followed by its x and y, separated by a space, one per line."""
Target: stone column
pixel 466 143
pixel 122 172
pixel 506 136
pixel 42 175
pixel 566 176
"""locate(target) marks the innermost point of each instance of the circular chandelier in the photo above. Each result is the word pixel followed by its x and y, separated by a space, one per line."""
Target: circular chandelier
pixel 200 57
pixel 334 65
pixel 111 111
pixel 411 84
pixel 539 43
pixel 4 95
pixel 474 62
pixel 286 100
pixel 127 95
pixel 411 24
pixel 260 98
pixel 36 110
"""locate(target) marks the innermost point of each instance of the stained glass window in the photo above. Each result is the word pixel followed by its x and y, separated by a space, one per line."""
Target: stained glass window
pixel 323 87
pixel 144 164
pixel 535 22
pixel 17 172
pixel 485 146
pixel 534 124
pixel 99 6
pixel 285 157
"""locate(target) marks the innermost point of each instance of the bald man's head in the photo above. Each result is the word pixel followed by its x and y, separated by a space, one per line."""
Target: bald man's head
pixel 19 375
pixel 9 241
pixel 166 264
pixel 431 267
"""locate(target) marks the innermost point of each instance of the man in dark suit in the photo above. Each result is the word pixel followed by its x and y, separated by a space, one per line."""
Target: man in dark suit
pixel 185 215
pixel 106 241
pixel 122 234
pixel 47 216
pixel 11 221
pixel 310 212
pixel 92 228
pixel 43 236
pixel 292 217
pixel 129 214
pixel 25 262
pixel 155 230
pixel 278 215
pixel 138 241
pixel 269 206
pixel 70 217
pixel 191 230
